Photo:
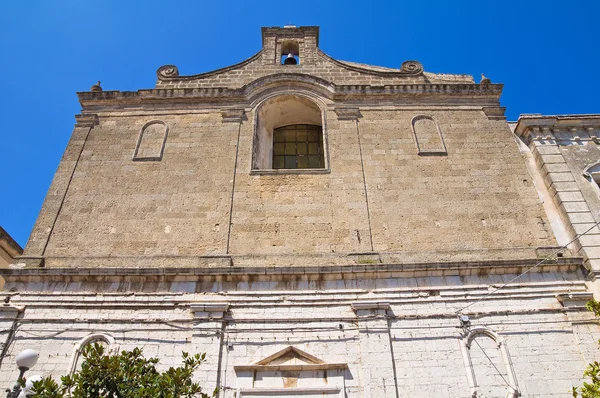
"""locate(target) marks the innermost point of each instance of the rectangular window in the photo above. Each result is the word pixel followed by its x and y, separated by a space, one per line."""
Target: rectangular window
pixel 299 146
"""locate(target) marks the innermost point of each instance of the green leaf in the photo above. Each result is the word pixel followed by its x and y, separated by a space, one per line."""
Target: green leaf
pixel 124 375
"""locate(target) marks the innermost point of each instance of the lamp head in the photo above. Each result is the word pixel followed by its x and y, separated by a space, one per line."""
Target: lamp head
pixel 27 359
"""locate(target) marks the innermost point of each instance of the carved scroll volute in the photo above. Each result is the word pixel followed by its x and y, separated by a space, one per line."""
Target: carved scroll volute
pixel 167 72
pixel 412 67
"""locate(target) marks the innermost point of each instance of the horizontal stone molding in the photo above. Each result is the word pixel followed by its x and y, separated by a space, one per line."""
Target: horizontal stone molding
pixel 370 305
pixel 574 299
pixel 274 172
pixel 27 262
pixel 10 308
pixel 311 366
pixel 233 115
pixel 86 120
pixel 209 307
pixel 244 392
pixel 135 263
pixel 495 112
pixel 209 267
pixel 347 113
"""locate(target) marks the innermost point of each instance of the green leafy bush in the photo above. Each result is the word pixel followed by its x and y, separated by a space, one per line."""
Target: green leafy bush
pixel 126 375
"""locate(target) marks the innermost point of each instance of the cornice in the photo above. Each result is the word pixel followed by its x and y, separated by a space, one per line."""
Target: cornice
pixel 445 268
pixel 559 129
pixel 241 96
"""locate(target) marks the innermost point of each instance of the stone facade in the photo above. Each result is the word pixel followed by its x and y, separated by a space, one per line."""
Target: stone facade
pixel 168 227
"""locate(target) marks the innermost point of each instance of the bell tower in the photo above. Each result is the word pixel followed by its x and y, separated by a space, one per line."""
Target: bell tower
pixel 290 45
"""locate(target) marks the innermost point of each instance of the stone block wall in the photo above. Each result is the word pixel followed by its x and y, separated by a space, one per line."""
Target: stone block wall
pixel 377 192
pixel 403 339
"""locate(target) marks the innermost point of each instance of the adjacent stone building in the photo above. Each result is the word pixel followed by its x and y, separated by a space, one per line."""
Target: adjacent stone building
pixel 9 249
pixel 317 227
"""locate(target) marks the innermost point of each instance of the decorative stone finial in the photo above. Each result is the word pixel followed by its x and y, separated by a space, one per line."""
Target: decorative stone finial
pixel 484 80
pixel 412 67
pixel 96 87
pixel 167 72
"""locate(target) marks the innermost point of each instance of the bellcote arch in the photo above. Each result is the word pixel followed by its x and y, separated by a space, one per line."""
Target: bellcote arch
pixel 295 106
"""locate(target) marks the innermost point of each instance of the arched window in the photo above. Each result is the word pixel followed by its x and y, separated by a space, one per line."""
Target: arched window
pixel 289 134
pixel 104 339
pixel 489 367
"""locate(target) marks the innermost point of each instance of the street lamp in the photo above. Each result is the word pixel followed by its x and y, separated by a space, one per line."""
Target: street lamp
pixel 25 360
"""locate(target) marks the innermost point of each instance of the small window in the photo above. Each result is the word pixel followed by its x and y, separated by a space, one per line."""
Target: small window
pixel 299 146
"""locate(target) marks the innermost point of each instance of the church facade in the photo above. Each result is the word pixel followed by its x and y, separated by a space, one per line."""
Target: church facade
pixel 318 227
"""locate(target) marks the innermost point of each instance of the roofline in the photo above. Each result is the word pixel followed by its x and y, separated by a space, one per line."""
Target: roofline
pixel 408 68
pixel 8 244
pixel 527 121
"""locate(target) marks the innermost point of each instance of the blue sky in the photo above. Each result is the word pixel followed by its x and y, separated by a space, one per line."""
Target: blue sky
pixel 547 53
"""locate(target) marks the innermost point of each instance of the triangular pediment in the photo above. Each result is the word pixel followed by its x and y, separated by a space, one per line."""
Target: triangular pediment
pixel 291 358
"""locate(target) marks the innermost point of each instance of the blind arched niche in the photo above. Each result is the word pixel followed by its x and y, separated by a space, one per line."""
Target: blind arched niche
pixel 104 339
pixel 428 136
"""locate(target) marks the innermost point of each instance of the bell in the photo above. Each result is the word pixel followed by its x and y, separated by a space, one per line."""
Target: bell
pixel 290 60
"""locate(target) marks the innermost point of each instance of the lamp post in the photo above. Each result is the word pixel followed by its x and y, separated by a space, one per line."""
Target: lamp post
pixel 25 360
